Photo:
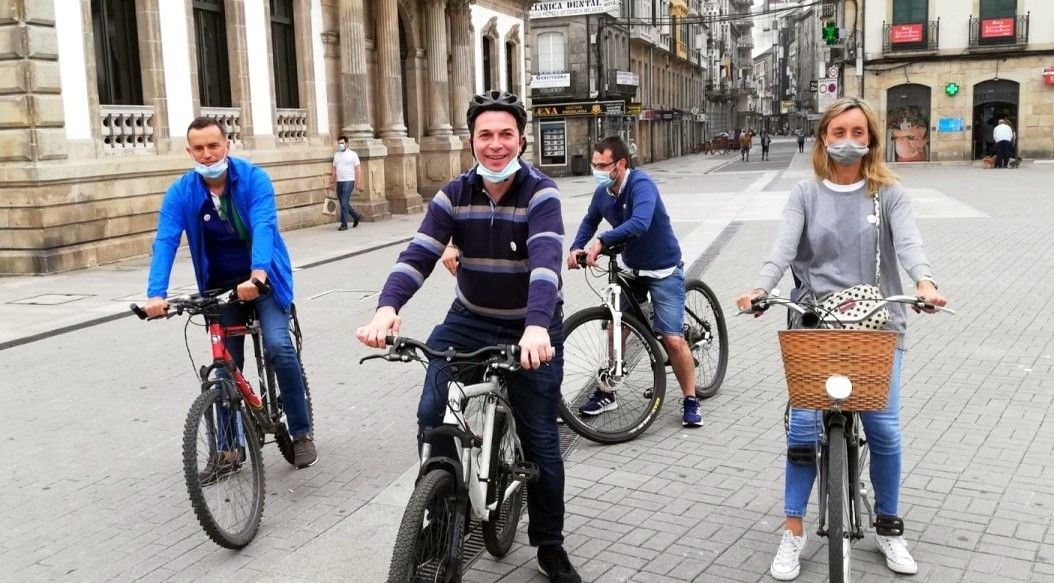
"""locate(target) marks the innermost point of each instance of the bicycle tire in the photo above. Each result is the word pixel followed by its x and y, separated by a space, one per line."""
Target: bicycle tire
pixel 585 360
pixel 500 529
pixel 838 528
pixel 213 502
pixel 704 324
pixel 282 437
pixel 436 489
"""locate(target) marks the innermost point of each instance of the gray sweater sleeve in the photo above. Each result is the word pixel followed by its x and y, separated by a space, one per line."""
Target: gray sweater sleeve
pixel 907 242
pixel 785 249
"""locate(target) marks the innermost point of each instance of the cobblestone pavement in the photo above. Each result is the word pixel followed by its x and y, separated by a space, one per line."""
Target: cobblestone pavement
pixel 93 488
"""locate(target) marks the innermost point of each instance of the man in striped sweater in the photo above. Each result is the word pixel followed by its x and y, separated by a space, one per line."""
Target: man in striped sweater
pixel 504 217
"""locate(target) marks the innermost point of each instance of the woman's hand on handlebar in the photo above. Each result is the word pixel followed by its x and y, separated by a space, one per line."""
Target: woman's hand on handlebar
pixel 928 293
pixel 385 322
pixel 745 302
pixel 156 307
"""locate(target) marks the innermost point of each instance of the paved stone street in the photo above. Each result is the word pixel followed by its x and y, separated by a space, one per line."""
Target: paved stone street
pixel 92 477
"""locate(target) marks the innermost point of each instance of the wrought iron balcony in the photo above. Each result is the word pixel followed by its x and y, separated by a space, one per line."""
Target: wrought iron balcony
pixel 999 32
pixel 921 36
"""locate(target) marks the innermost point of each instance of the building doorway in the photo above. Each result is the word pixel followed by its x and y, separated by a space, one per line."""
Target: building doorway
pixel 993 100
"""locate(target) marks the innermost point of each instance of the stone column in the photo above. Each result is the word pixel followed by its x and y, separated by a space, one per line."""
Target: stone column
pixel 355 86
pixel 400 166
pixel 440 151
pixel 461 88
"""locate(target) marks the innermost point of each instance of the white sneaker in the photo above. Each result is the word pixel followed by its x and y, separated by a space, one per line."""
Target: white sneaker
pixel 898 559
pixel 785 566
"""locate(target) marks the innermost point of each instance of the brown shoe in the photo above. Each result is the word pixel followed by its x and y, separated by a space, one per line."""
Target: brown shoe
pixel 304 453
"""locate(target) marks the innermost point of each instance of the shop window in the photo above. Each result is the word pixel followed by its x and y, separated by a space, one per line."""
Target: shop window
pixel 554 143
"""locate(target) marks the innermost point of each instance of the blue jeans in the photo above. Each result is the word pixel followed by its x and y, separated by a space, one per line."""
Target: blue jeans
pixel 274 327
pixel 344 190
pixel 882 429
pixel 533 395
pixel 667 300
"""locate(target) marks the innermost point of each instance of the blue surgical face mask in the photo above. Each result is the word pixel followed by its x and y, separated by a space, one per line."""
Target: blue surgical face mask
pixel 603 179
pixel 490 176
pixel 211 172
pixel 846 152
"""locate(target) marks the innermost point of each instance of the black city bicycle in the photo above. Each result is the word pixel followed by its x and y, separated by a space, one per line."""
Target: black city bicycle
pixel 484 483
pixel 840 373
pixel 634 370
pixel 228 422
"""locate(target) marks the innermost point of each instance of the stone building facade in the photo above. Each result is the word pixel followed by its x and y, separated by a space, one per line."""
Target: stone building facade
pixel 941 74
pixel 95 96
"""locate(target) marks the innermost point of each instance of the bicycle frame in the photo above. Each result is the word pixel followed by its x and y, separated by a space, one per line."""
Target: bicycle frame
pixel 221 357
pixel 473 481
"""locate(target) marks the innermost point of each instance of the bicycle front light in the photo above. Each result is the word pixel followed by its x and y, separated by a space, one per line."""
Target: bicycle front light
pixel 839 387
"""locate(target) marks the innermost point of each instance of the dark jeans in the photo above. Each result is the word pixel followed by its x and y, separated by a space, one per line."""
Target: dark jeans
pixel 764 152
pixel 1002 152
pixel 533 395
pixel 274 327
pixel 801 147
pixel 344 190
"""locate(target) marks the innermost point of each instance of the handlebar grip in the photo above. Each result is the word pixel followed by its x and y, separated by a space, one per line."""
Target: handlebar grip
pixel 263 287
pixel 138 311
pixel 581 259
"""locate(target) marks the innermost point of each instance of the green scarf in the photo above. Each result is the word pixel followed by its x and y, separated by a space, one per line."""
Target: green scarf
pixel 231 211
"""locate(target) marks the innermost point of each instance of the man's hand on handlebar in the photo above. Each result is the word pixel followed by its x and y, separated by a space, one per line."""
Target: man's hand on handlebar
pixel 535 347
pixel 156 307
pixel 572 258
pixel 385 322
pixel 249 289
pixel 594 252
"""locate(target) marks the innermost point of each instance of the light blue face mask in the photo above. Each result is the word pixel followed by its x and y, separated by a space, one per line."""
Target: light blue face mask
pixel 490 176
pixel 603 179
pixel 211 172
pixel 342 147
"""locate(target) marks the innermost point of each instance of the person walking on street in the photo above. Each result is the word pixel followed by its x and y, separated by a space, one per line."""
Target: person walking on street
pixel 801 141
pixel 821 241
pixel 1003 135
pixel 226 207
pixel 765 141
pixel 629 200
pixel 347 176
pixel 744 145
pixel 507 292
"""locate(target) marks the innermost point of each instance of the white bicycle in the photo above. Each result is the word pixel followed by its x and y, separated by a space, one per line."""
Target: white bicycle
pixel 486 481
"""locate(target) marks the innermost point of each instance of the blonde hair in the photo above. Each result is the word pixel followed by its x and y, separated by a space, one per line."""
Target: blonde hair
pixel 873 167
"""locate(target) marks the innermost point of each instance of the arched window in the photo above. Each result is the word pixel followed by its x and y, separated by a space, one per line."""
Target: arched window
pixel 210 38
pixel 283 47
pixel 908 123
pixel 116 36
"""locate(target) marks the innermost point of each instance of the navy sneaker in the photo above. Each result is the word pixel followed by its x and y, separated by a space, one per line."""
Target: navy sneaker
pixel 554 564
pixel 692 417
pixel 600 402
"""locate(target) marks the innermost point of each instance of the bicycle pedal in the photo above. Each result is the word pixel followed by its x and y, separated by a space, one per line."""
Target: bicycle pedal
pixel 526 471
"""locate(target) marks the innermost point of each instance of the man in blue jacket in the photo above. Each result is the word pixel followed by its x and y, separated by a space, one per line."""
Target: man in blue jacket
pixel 226 206
pixel 629 200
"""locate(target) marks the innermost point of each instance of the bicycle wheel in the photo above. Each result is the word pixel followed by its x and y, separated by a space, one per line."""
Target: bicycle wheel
pixel 588 366
pixel 500 529
pixel 838 527
pixel 426 534
pixel 707 337
pixel 223 468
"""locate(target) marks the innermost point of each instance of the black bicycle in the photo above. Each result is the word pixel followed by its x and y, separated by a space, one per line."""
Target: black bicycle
pixel 228 422
pixel 484 483
pixel 634 370
pixel 840 373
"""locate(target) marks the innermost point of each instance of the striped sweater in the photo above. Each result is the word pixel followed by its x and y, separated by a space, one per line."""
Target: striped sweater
pixel 510 252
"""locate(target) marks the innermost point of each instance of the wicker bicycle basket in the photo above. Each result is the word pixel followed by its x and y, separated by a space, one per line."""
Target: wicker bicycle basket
pixel 811 356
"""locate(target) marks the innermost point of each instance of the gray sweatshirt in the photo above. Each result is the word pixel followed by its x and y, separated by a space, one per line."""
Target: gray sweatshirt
pixel 826 239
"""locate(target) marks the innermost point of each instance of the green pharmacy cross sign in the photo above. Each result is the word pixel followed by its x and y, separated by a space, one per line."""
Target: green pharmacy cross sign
pixel 951 89
pixel 830 33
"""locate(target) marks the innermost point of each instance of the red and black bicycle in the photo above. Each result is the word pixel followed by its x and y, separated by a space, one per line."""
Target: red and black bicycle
pixel 229 422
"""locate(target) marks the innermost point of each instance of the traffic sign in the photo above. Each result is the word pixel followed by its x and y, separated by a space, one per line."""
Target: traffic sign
pixel 827 93
pixel 812 86
pixel 832 71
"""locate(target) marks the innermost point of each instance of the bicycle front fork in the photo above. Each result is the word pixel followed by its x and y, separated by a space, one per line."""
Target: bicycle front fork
pixel 856 453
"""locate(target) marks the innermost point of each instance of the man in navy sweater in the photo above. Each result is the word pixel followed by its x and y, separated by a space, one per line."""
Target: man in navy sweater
pixel 504 217
pixel 629 200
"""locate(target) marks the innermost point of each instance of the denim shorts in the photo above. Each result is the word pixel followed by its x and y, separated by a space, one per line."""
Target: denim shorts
pixel 667 299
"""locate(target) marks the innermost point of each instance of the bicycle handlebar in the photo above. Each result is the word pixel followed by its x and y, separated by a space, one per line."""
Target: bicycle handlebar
pixel 198 303
pixel 402 349
pixel 760 304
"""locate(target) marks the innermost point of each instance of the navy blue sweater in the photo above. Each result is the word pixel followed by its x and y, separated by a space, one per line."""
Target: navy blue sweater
pixel 510 252
pixel 639 219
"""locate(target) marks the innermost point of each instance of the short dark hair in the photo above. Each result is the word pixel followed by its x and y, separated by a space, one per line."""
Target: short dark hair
pixel 617 147
pixel 204 122
pixel 343 139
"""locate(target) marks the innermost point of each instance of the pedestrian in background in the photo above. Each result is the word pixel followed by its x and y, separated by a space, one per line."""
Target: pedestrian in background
pixel 1003 135
pixel 347 176
pixel 801 141
pixel 821 239
pixel 744 145
pixel 765 141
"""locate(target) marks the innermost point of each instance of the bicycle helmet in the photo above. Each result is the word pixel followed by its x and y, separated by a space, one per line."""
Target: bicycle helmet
pixel 496 100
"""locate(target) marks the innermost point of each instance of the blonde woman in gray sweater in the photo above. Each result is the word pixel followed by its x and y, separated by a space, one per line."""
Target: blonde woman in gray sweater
pixel 827 239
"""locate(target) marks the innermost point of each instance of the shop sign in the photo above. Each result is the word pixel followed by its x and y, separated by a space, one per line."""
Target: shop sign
pixel 550 80
pixel 1048 75
pixel 997 27
pixel 647 115
pixel 627 78
pixel 633 109
pixel 572 8
pixel 906 33
pixel 581 108
pixel 947 125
